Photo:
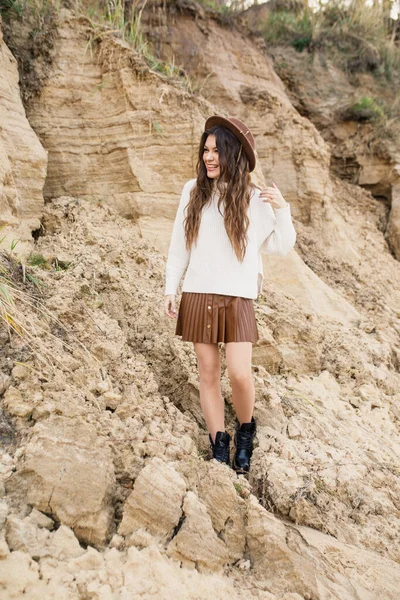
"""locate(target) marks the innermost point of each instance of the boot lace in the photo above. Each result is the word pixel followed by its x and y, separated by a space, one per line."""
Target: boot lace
pixel 244 440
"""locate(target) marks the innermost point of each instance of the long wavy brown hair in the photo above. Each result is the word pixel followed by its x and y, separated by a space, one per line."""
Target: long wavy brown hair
pixel 233 186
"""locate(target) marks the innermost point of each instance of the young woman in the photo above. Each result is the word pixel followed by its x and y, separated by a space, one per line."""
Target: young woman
pixel 222 225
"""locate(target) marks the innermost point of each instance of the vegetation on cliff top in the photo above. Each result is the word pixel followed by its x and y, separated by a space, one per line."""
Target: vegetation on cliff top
pixel 361 36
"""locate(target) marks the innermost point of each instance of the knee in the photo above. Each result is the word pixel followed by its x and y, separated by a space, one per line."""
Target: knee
pixel 209 375
pixel 241 378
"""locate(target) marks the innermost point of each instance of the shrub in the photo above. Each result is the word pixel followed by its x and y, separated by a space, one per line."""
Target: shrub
pixel 364 109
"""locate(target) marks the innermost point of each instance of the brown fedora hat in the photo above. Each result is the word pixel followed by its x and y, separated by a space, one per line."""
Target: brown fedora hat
pixel 241 131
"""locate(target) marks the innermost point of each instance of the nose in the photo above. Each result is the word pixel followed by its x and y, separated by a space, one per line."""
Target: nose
pixel 210 157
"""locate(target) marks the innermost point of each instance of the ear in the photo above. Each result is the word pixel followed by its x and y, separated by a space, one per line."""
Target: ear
pixel 274 184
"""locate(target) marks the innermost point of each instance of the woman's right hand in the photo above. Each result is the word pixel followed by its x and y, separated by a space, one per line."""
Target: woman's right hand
pixel 170 306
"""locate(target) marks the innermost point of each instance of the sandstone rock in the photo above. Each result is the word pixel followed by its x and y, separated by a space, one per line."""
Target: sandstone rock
pixel 112 400
pixel 285 570
pixel 372 574
pixel 226 509
pixel 92 560
pixel 17 572
pixel 140 538
pixel 284 481
pixel 67 472
pixel 16 404
pixel 123 173
pixel 20 372
pixel 393 228
pixel 64 544
pixel 22 162
pixel 3 513
pixel 156 500
pixel 149 573
pixel 5 382
pixel 23 535
pixel 39 519
pixel 114 562
pixel 4 549
pixel 196 539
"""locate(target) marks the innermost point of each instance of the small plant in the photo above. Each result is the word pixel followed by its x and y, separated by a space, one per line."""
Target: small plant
pixel 12 6
pixel 35 280
pixel 364 109
pixel 60 265
pixel 7 305
pixel 38 260
pixel 13 244
pixel 223 12
pixel 39 9
pixel 285 26
pixel 240 490
pixel 238 487
pixel 202 454
pixel 155 125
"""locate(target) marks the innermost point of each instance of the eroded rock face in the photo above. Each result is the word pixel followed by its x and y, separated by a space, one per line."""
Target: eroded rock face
pixel 67 472
pixel 196 543
pixel 393 228
pixel 286 570
pixel 116 124
pixel 226 509
pixel 17 572
pixel 156 500
pixel 23 161
pixel 129 409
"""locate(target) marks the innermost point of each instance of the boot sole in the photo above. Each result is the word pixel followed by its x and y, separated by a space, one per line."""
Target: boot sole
pixel 240 470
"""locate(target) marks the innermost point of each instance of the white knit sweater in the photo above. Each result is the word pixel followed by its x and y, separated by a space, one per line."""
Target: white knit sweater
pixel 212 266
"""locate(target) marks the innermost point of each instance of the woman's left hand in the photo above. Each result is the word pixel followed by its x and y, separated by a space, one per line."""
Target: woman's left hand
pixel 273 196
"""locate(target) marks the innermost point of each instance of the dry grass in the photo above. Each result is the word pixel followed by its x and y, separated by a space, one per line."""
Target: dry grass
pixel 24 314
pixel 360 36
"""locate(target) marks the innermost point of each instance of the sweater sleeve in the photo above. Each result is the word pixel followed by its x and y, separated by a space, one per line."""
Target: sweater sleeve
pixel 278 233
pixel 178 255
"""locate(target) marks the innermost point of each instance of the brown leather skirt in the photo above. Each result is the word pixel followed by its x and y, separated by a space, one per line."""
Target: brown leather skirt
pixel 213 318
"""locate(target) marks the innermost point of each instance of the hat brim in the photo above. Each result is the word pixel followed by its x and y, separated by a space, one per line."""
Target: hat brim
pixel 222 121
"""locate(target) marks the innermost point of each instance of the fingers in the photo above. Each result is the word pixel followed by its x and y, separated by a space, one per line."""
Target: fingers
pixel 273 196
pixel 170 307
pixel 273 191
pixel 269 194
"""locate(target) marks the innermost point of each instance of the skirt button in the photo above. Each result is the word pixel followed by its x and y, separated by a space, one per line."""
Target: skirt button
pixel 208 326
pixel 209 307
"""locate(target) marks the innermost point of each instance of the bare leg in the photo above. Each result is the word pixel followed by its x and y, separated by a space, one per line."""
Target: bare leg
pixel 211 400
pixel 238 361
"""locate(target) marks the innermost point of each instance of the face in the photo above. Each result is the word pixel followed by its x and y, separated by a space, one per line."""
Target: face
pixel 210 157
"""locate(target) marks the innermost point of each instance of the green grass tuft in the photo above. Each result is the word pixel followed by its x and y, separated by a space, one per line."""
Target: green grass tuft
pixel 38 260
pixel 364 109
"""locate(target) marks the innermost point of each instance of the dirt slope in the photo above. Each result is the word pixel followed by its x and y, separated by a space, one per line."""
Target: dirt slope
pixel 107 490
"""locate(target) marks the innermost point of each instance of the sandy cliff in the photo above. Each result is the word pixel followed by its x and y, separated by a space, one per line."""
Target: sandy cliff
pixel 106 487
pixel 23 161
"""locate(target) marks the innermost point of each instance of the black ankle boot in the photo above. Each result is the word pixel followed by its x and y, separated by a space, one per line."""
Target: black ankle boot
pixel 220 449
pixel 244 435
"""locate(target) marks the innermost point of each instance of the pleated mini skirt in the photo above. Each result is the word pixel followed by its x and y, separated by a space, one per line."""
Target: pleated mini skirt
pixel 213 318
